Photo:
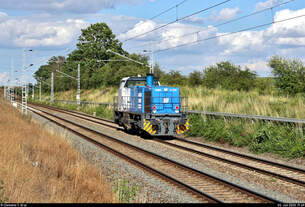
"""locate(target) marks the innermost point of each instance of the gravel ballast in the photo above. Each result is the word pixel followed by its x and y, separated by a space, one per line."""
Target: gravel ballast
pixel 152 189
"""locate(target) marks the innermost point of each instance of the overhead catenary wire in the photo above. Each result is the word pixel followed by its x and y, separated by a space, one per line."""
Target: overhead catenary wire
pixel 219 25
pixel 161 13
pixel 167 10
pixel 231 33
pixel 178 19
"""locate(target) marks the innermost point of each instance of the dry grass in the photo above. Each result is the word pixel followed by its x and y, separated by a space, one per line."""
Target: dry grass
pixel 95 95
pixel 60 174
pixel 244 102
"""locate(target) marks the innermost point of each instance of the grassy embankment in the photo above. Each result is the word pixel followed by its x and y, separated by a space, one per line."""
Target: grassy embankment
pixel 36 166
pixel 281 139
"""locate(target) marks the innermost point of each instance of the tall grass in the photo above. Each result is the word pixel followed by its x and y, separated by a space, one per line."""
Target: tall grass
pixel 244 102
pixel 37 166
pixel 281 139
pixel 200 98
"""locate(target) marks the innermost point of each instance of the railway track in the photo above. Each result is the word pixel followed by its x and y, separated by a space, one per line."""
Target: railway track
pixel 282 172
pixel 204 187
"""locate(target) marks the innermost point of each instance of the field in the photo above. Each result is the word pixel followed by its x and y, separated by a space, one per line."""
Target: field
pixel 36 166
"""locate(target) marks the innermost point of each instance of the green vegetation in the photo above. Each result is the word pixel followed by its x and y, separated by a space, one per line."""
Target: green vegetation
pixel 289 75
pixel 125 191
pixel 3 198
pixel 281 139
pixel 225 75
pixel 99 110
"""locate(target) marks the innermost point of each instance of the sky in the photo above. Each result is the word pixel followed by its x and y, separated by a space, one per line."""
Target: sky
pixel 184 35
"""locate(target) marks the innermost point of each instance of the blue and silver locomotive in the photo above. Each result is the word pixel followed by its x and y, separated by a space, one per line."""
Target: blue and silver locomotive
pixel 143 105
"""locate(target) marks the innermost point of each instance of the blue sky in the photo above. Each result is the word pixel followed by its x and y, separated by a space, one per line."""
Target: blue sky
pixel 49 27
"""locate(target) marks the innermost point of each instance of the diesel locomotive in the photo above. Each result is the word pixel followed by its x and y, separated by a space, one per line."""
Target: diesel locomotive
pixel 143 105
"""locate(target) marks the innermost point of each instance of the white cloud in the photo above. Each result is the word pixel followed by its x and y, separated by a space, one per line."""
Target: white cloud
pixel 139 28
pixel 3 77
pixel 225 14
pixel 260 66
pixel 177 34
pixel 266 4
pixel 277 36
pixel 28 33
pixel 78 6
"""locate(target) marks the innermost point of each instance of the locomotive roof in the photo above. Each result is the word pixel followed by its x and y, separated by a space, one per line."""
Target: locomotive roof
pixel 137 79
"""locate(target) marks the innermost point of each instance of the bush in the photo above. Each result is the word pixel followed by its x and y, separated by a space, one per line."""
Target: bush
pixel 289 75
pixel 260 137
pixel 228 76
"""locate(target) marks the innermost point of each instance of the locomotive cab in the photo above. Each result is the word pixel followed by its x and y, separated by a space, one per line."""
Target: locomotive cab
pixel 143 105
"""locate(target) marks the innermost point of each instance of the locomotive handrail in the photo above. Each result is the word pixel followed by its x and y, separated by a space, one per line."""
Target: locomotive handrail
pixel 217 114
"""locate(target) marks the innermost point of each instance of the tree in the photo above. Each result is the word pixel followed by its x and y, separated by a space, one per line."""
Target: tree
pixel 289 75
pixel 195 78
pixel 228 76
pixel 173 78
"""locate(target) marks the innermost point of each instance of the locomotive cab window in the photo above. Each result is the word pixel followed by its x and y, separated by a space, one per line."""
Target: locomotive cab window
pixel 131 83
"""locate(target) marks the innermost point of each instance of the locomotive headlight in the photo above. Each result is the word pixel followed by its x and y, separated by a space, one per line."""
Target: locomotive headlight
pixel 177 109
pixel 154 109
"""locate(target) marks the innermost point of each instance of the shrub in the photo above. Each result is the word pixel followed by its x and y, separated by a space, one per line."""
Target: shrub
pixel 289 75
pixel 228 76
pixel 260 137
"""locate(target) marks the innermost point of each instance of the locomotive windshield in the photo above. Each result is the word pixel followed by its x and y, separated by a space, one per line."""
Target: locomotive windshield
pixel 139 81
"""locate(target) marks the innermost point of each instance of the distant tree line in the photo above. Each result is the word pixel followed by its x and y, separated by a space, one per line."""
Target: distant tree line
pixel 101 68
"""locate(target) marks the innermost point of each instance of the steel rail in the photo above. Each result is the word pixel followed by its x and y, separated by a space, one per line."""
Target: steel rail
pixel 246 166
pixel 240 188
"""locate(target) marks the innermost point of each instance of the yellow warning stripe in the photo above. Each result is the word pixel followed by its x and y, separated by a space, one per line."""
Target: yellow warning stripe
pixel 147 126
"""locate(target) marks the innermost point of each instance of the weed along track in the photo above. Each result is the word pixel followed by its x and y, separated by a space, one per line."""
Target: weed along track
pixel 202 186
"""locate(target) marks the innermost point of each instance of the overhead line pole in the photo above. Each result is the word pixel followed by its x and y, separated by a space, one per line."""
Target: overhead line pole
pixel 23 99
pixel 40 90
pixel 78 85
pixel 77 79
pixel 52 87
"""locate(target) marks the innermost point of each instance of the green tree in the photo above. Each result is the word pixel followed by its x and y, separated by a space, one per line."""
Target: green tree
pixel 195 78
pixel 289 75
pixel 228 76
pixel 173 78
